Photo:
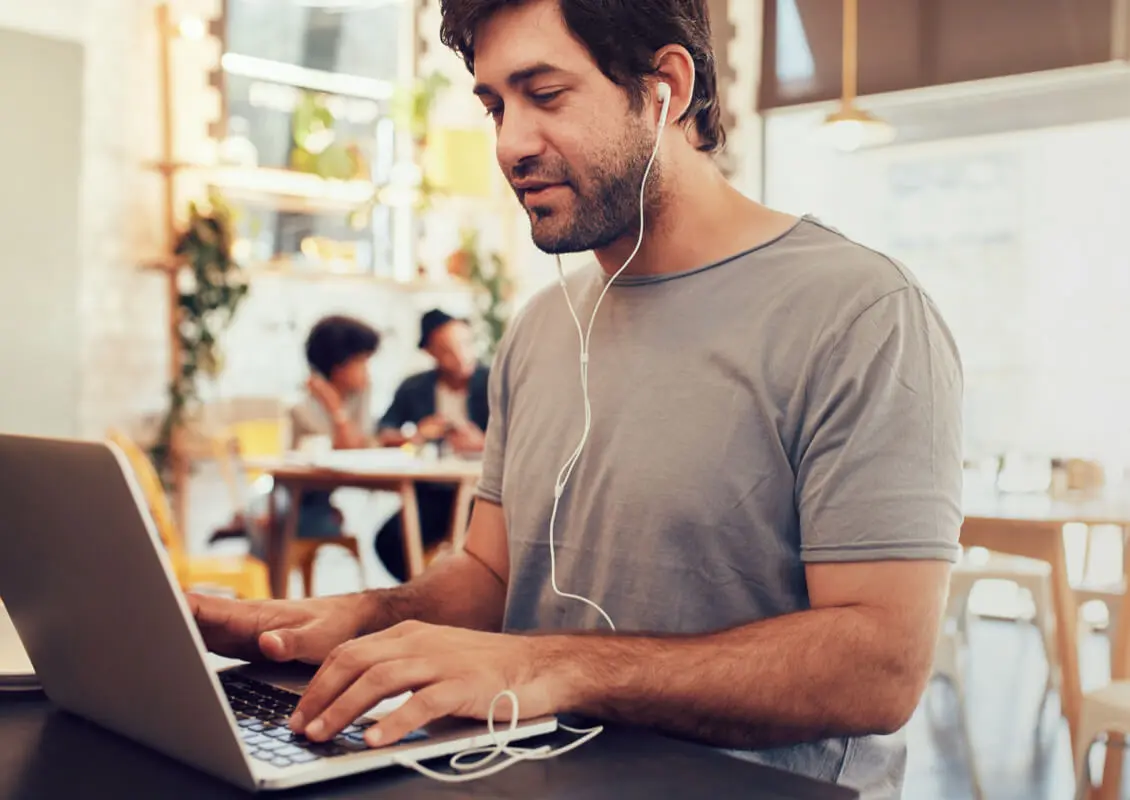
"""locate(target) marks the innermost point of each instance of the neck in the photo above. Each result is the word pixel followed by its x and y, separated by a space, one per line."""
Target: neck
pixel 454 381
pixel 702 219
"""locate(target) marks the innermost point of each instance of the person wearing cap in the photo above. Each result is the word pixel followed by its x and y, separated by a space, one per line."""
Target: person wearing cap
pixel 447 404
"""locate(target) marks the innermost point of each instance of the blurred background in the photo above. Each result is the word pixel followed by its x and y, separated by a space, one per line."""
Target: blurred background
pixel 188 186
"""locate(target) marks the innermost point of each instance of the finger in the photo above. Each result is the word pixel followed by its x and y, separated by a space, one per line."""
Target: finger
pixel 212 610
pixel 291 644
pixel 373 686
pixel 344 666
pixel 427 705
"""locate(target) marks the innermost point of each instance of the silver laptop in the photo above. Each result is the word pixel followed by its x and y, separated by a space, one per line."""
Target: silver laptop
pixel 89 588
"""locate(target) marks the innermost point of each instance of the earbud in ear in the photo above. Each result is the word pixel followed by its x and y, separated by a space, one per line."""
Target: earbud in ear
pixel 664 93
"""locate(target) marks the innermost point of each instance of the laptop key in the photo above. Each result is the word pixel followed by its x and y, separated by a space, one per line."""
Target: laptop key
pixel 258 739
pixel 277 733
pixel 351 745
pixel 289 751
pixel 303 757
pixel 279 761
pixel 271 744
pixel 249 723
pixel 262 755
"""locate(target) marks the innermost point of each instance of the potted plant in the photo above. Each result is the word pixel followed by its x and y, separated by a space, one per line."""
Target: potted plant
pixel 492 282
pixel 211 286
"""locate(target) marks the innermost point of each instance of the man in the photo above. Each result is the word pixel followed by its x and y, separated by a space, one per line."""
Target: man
pixel 447 404
pixel 768 502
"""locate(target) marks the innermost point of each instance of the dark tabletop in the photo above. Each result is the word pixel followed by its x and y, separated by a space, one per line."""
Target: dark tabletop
pixel 46 753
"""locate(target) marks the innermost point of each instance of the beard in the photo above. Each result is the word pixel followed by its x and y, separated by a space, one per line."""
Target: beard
pixel 605 200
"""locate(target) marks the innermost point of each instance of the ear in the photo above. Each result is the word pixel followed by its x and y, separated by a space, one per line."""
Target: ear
pixel 675 67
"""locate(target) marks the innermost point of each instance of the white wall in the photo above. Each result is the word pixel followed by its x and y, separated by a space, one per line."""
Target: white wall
pixel 1022 239
pixel 41 89
pixel 118 340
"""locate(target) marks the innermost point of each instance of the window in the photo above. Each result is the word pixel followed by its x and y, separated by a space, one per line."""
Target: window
pixel 308 87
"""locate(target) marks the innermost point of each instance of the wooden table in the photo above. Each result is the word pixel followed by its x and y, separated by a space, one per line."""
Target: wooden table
pixel 383 473
pixel 1031 525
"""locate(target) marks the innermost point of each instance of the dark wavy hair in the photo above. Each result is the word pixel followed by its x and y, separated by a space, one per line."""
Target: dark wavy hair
pixel 623 37
pixel 335 340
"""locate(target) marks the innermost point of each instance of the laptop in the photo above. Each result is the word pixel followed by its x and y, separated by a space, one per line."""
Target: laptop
pixel 91 592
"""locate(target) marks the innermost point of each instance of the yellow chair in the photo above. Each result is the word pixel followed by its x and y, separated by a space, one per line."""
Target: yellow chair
pixel 243 575
pixel 264 439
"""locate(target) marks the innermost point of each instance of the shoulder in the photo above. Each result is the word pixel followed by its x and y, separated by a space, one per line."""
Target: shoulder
pixel 308 417
pixel 839 276
pixel 420 381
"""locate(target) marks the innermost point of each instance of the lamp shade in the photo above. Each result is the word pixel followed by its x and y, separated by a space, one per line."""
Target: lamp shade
pixel 851 129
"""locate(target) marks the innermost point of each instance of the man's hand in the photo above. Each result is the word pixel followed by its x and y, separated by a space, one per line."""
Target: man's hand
pixel 324 392
pixel 452 672
pixel 467 439
pixel 432 428
pixel 277 630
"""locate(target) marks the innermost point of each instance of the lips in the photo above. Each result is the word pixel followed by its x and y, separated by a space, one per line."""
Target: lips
pixel 535 190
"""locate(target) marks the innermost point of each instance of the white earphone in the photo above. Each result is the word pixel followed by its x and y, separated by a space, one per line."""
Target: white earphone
pixel 663 92
pixel 483 756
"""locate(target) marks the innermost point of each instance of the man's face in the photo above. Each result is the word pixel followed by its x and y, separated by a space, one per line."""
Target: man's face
pixel 452 346
pixel 568 142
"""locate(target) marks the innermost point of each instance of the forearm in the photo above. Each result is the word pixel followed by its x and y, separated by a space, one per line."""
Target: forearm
pixel 346 435
pixel 457 591
pixel 802 677
pixel 391 437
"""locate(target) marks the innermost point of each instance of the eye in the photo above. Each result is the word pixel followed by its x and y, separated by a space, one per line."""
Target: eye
pixel 546 97
pixel 494 112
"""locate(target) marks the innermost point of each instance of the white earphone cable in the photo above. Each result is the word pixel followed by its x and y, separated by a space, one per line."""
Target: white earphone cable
pixel 463 770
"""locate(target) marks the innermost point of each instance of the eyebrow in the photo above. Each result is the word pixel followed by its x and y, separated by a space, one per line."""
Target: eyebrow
pixel 520 77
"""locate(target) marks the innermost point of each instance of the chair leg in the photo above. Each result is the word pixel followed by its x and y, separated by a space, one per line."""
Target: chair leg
pixel 306 567
pixel 967 742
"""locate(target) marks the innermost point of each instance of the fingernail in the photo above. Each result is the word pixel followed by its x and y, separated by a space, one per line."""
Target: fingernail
pixel 373 736
pixel 274 639
pixel 297 722
pixel 315 730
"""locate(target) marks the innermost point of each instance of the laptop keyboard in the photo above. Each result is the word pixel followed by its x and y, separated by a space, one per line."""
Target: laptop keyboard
pixel 263 712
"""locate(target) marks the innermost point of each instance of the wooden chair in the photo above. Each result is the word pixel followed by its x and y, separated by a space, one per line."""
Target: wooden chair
pixel 264 438
pixel 243 575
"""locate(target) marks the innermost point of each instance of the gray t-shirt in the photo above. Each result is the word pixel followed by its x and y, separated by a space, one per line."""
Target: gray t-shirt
pixel 797 403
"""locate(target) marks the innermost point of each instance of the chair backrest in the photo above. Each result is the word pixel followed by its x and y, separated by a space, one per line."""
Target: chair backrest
pixel 253 438
pixel 259 438
pixel 154 491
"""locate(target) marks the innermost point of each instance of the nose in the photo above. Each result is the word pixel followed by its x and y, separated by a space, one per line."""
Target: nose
pixel 519 138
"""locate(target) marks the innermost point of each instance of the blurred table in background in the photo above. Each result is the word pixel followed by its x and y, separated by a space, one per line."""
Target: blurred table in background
pixel 1032 525
pixel 386 469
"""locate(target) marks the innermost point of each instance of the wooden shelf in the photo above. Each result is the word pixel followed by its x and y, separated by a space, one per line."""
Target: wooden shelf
pixel 285 271
pixel 286 190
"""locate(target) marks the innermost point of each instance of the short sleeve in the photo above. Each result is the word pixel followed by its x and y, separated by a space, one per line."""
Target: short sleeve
pixel 305 420
pixel 498 401
pixel 494 449
pixel 880 469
